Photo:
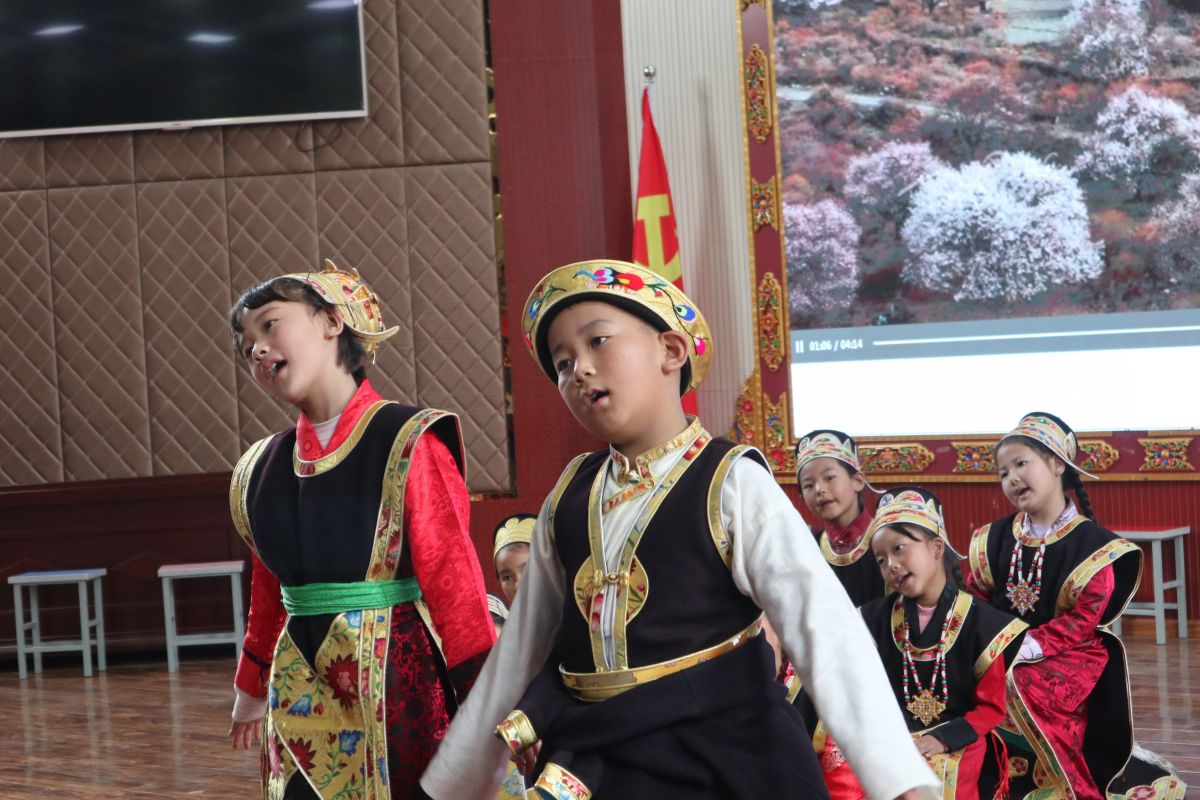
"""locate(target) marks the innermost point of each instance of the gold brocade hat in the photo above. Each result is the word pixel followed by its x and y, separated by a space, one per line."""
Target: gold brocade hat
pixel 354 300
pixel 497 608
pixel 1050 432
pixel 517 529
pixel 630 287
pixel 828 444
pixel 911 505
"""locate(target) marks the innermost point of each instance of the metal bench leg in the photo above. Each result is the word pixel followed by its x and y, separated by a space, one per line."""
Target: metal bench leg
pixel 239 623
pixel 35 633
pixel 1181 592
pixel 1160 622
pixel 19 613
pixel 101 660
pixel 85 633
pixel 169 613
pixel 1116 627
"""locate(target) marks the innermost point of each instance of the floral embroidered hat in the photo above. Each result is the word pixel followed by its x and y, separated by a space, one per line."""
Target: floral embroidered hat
pixel 354 300
pixel 828 444
pixel 517 529
pixel 496 607
pixel 911 505
pixel 1050 432
pixel 630 287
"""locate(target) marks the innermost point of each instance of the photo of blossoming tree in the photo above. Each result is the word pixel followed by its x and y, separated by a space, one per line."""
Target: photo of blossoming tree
pixel 949 160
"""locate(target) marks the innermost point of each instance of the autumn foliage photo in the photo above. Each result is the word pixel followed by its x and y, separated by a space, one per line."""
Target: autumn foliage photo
pixel 951 160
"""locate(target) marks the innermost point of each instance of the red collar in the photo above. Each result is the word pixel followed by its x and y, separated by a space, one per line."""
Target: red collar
pixel 306 438
pixel 843 539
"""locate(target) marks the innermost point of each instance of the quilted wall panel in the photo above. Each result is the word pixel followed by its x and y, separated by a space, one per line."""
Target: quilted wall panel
pixel 455 315
pixel 98 332
pixel 185 284
pixel 362 219
pixel 132 247
pixel 29 413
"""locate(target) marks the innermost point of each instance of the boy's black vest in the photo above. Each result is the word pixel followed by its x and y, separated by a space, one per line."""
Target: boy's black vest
pixel 320 528
pixel 690 599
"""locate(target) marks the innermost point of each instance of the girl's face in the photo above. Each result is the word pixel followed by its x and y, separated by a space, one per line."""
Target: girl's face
pixel 830 491
pixel 290 348
pixel 510 566
pixel 912 567
pixel 1031 480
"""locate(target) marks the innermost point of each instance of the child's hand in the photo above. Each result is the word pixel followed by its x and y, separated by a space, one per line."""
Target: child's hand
pixel 245 734
pixel 930 746
pixel 528 757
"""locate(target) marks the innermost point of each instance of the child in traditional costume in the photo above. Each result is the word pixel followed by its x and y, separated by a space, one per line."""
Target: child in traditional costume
pixel 631 665
pixel 944 650
pixel 1070 724
pixel 368 616
pixel 832 483
pixel 510 551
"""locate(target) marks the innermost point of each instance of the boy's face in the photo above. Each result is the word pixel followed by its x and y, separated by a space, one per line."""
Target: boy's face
pixel 289 348
pixel 610 367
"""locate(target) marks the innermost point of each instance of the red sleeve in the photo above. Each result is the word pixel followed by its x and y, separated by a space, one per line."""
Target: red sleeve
pixel 972 586
pixel 436 514
pixel 262 631
pixel 989 700
pixel 1079 624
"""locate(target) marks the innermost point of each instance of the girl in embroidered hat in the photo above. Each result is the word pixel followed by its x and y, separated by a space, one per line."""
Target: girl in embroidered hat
pixel 364 575
pixel 632 656
pixel 944 651
pixel 832 484
pixel 1068 578
pixel 510 551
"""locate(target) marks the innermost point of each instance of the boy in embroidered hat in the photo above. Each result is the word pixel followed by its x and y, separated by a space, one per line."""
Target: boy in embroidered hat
pixel 1068 578
pixel 831 483
pixel 366 589
pixel 631 664
pixel 944 651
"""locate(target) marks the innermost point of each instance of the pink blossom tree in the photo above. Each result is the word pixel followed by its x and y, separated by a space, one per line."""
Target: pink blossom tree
pixel 1177 230
pixel 1109 37
pixel 1143 139
pixel 821 247
pixel 879 184
pixel 1002 229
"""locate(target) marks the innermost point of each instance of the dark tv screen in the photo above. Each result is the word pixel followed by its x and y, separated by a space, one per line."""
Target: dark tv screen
pixel 85 65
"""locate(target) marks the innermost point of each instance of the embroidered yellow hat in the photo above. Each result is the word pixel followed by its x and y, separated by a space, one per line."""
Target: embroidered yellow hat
pixel 1050 432
pixel 517 529
pixel 828 444
pixel 497 608
pixel 911 505
pixel 354 300
pixel 630 287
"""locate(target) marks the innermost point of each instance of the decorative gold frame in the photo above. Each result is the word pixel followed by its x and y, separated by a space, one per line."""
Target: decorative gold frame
pixel 763 412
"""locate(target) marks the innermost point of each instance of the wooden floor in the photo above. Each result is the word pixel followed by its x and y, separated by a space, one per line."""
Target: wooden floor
pixel 138 732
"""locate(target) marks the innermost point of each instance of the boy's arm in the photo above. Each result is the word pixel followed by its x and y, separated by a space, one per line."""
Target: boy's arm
pixel 471 762
pixel 437 529
pixel 777 563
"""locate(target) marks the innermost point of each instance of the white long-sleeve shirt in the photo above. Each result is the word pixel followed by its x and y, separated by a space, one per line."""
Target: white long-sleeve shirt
pixel 775 561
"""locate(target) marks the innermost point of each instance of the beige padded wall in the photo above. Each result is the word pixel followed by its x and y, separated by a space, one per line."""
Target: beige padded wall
pixel 121 253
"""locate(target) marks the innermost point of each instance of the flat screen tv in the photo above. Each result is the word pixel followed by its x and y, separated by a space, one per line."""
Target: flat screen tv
pixel 81 66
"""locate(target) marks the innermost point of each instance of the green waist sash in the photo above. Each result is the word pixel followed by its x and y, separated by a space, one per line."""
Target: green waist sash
pixel 334 598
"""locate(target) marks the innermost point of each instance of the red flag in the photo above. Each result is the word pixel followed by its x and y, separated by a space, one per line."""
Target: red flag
pixel 655 239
